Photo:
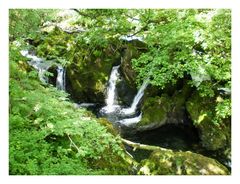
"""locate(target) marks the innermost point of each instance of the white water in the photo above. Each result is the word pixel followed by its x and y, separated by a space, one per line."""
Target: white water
pixel 60 83
pixel 115 112
pixel 111 104
pixel 130 121
pixel 38 63
pixel 137 98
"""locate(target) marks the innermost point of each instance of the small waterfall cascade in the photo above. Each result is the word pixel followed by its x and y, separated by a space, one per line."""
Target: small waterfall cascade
pixel 39 64
pixel 136 100
pixel 60 82
pixel 42 66
pixel 111 104
pixel 116 113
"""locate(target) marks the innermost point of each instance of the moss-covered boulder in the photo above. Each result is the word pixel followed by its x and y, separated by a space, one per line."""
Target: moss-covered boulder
pixel 88 74
pixel 55 44
pixel 154 112
pixel 88 68
pixel 133 49
pixel 213 136
pixel 53 77
pixel 157 111
pixel 108 125
pixel 167 162
pixel 127 87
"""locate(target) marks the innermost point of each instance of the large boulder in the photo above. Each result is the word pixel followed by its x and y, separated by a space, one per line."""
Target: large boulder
pixel 87 75
pixel 202 111
pixel 133 49
pixel 154 112
pixel 157 111
pixel 167 162
pixel 127 86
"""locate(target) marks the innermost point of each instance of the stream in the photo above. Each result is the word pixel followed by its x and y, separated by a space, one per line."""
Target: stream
pixel 172 136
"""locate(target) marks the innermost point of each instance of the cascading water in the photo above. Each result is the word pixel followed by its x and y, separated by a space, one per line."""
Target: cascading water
pixel 136 100
pixel 130 121
pixel 42 66
pixel 116 113
pixel 60 82
pixel 38 63
pixel 111 104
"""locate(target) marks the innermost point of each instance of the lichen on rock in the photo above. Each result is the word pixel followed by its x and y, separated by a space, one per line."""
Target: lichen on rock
pixel 167 162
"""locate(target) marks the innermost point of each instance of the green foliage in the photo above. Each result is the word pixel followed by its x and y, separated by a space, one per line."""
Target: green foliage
pixel 222 110
pixel 192 43
pixel 26 22
pixel 49 136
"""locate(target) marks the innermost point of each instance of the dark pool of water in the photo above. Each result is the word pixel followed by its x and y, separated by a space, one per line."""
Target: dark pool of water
pixel 175 137
pixel 181 137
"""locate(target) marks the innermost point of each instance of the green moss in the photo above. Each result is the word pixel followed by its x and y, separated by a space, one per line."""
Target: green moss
pixel 213 136
pixel 167 162
pixel 56 44
pixel 154 110
pixel 108 125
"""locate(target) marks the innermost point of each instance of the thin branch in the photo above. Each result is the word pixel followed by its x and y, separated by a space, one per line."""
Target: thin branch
pixel 142 146
pixel 72 143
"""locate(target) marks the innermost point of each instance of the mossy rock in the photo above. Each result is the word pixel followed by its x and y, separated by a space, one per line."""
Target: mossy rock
pixel 167 162
pixel 88 76
pixel 53 78
pixel 108 125
pixel 125 92
pixel 158 111
pixel 154 112
pixel 213 136
pixel 133 50
pixel 56 44
pixel 24 66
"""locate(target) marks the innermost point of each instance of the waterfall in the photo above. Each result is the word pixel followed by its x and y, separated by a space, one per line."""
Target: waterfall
pixel 111 104
pixel 60 82
pixel 39 64
pixel 137 98
pixel 115 112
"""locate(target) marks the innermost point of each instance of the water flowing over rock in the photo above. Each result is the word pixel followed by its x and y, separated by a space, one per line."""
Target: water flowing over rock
pixel 42 66
pixel 136 100
pixel 39 64
pixel 60 82
pixel 111 105
pixel 131 121
pixel 116 113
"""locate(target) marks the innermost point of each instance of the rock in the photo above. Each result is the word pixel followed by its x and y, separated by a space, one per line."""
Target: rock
pixel 108 125
pixel 213 136
pixel 56 44
pixel 125 92
pixel 133 49
pixel 52 79
pixel 167 162
pixel 154 112
pixel 158 111
pixel 24 66
pixel 87 75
